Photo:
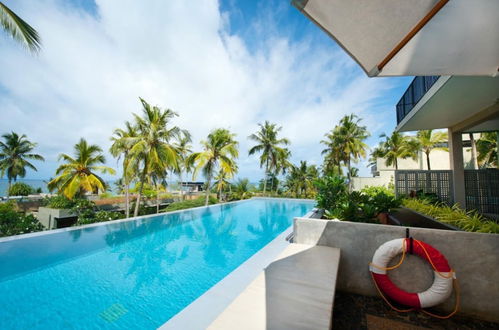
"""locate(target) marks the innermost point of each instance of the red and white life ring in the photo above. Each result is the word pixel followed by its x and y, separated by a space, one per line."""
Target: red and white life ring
pixel 441 288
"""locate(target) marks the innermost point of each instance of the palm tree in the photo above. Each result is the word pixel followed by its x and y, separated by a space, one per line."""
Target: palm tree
pixel 151 150
pixel 219 154
pixel 242 188
pixel 346 143
pixel 333 155
pixel 78 174
pixel 426 141
pixel 184 149
pixel 487 146
pixel 395 146
pixel 15 154
pixel 122 146
pixel 19 29
pixel 221 183
pixel 300 179
pixel 269 144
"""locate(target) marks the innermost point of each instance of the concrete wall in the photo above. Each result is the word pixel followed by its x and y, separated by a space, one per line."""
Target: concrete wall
pixel 48 216
pixel 473 256
pixel 383 179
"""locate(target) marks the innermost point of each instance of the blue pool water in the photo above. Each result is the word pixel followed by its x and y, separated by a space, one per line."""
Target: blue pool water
pixel 133 274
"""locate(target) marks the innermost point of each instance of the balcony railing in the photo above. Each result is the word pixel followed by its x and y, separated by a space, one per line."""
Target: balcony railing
pixel 418 87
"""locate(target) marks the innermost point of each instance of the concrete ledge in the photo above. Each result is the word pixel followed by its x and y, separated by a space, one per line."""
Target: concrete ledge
pixel 295 292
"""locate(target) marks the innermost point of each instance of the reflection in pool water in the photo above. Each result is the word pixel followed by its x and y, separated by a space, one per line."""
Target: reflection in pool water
pixel 146 270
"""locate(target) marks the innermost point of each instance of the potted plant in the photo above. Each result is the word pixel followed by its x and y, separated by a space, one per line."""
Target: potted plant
pixel 384 203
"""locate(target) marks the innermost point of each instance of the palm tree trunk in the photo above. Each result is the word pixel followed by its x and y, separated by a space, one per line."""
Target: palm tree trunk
pixel 180 186
pixel 497 150
pixel 349 175
pixel 265 177
pixel 157 198
pixel 9 184
pixel 271 184
pixel 208 184
pixel 142 179
pixel 127 200
pixel 473 152
pixel 428 160
pixel 396 164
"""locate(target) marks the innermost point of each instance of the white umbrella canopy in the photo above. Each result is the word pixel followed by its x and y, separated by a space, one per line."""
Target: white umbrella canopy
pixel 413 37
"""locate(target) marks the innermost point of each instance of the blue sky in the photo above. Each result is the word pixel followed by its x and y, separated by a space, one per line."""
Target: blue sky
pixel 226 64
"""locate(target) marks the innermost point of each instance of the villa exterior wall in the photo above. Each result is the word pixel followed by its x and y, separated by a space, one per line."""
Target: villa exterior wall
pixel 384 179
pixel 439 160
pixel 472 255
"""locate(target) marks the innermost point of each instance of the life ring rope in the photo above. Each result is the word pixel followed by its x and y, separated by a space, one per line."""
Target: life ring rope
pixel 392 267
pixel 448 275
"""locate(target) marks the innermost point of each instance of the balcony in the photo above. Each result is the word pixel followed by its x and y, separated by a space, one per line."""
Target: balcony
pixel 416 90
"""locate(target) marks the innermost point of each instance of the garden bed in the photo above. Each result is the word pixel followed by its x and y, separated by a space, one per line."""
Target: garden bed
pixel 406 217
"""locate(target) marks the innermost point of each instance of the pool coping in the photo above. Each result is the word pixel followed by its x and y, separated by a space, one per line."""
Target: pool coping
pixel 61 230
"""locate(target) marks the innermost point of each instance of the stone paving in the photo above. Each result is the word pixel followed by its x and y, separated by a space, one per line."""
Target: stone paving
pixel 359 312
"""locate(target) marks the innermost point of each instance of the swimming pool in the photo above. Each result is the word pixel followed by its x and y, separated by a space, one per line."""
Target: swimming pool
pixel 136 273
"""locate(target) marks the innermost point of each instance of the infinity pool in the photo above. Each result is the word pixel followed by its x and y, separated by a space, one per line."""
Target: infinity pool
pixel 132 274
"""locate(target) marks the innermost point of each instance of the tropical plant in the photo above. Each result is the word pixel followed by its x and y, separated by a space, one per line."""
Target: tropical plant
pixel 152 151
pixel 18 29
pixel 184 149
pixel 20 189
pixel 15 156
pixel 453 215
pixel 219 154
pixel 395 147
pixel 187 204
pixel 221 183
pixel 13 222
pixel 345 143
pixel 273 157
pixel 331 191
pixel 300 180
pixel 78 174
pixel 121 147
pixel 272 183
pixel 58 202
pixel 427 140
pixel 487 146
pixel 283 165
pixel 241 189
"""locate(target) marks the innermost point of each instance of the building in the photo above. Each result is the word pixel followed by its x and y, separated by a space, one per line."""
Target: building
pixel 384 175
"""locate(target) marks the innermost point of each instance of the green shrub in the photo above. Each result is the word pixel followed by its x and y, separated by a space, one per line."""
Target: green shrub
pixel 87 213
pixel 376 190
pixel 453 215
pixel 99 216
pixel 58 202
pixel 189 204
pixel 363 206
pixel 106 194
pixel 331 192
pixel 20 189
pixel 15 223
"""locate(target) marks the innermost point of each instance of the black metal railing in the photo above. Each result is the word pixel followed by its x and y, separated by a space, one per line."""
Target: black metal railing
pixel 418 87
pixel 482 190
pixel 438 183
pixel 481 187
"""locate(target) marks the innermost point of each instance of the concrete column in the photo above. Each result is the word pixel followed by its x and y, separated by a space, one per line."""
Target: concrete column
pixel 457 167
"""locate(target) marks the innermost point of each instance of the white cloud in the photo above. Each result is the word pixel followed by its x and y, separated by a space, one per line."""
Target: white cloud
pixel 181 55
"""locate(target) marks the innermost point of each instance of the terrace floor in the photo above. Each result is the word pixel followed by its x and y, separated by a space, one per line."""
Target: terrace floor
pixel 359 312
